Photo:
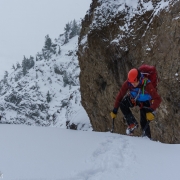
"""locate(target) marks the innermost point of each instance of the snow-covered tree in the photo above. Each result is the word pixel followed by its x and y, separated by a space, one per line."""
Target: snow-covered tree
pixel 6 74
pixel 18 65
pixel 13 67
pixel 24 66
pixel 59 51
pixel 48 97
pixel 66 38
pixel 48 42
pixel 27 64
pixel 74 29
pixel 67 27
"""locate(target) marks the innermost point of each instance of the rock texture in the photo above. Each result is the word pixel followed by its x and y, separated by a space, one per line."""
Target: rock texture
pixel 116 37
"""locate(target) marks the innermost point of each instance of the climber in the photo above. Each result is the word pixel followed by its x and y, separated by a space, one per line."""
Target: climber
pixel 137 90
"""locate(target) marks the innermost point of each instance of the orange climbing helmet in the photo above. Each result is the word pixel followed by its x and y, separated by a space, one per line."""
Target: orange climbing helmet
pixel 134 75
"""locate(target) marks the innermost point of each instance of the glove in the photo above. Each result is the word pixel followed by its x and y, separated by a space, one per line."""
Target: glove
pixel 150 116
pixel 114 113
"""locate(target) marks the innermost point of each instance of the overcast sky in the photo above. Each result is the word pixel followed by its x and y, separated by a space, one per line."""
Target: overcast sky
pixel 25 23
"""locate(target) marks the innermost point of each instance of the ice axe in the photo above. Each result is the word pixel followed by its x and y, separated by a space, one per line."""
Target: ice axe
pixel 112 130
pixel 144 130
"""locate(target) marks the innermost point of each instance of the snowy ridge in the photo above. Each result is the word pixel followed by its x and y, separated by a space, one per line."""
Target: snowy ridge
pixel 24 99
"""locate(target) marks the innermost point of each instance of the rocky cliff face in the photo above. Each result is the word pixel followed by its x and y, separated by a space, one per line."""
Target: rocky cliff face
pixel 117 36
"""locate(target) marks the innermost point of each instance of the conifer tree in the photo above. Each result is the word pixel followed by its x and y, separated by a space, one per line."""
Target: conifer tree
pixel 13 67
pixel 67 27
pixel 18 65
pixel 65 79
pixel 66 38
pixel 74 29
pixel 31 63
pixel 59 51
pixel 27 64
pixel 48 97
pixel 5 77
pixel 48 43
pixel 48 48
pixel 24 66
pixel 5 74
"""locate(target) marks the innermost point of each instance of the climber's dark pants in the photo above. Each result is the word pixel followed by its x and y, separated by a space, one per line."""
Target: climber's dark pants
pixel 125 106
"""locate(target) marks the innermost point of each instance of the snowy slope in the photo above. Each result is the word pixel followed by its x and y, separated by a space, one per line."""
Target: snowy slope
pixel 23 98
pixel 53 153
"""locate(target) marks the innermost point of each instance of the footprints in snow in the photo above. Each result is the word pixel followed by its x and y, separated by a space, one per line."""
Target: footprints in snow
pixel 113 155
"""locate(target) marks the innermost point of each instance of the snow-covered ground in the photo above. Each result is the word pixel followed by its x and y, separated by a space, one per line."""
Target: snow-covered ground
pixel 41 153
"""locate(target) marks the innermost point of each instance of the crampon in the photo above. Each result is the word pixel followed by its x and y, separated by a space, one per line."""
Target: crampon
pixel 130 129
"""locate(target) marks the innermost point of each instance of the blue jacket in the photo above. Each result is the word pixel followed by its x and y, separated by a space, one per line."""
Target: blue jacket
pixel 139 93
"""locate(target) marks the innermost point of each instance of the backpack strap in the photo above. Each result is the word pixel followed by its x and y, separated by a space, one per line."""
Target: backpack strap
pixel 144 84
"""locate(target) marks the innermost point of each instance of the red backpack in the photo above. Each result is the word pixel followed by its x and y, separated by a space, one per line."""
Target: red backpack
pixel 150 73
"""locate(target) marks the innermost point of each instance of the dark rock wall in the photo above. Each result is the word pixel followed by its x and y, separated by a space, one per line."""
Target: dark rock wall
pixel 106 54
